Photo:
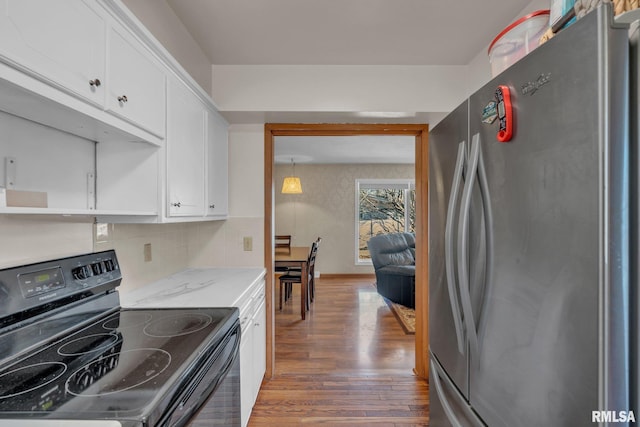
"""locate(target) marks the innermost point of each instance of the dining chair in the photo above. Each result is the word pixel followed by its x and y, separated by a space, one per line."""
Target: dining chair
pixel 287 280
pixel 312 281
pixel 282 241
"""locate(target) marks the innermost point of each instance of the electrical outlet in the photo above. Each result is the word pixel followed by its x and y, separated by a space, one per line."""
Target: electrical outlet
pixel 247 243
pixel 147 252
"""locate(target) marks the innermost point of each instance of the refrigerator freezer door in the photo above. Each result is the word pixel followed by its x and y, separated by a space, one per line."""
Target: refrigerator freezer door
pixel 448 143
pixel 635 215
pixel 559 218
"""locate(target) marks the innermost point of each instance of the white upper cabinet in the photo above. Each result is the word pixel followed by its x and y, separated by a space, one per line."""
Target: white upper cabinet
pixel 185 151
pixel 135 90
pixel 60 42
pixel 217 169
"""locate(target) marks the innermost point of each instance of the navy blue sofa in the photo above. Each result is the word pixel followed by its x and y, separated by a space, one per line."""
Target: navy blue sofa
pixel 394 261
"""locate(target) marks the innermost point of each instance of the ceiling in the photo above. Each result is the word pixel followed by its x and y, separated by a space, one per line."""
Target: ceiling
pixel 344 32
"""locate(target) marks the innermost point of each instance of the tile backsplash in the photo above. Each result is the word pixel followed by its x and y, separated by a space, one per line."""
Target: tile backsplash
pixel 168 250
pixel 172 247
pixel 34 238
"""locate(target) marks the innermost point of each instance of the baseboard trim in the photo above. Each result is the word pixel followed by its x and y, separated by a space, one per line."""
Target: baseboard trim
pixel 347 276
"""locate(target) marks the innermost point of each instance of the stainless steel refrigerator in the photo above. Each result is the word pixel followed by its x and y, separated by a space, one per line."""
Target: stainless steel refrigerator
pixel 529 240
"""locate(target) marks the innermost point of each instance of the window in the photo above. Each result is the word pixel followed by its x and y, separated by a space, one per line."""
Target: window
pixel 382 206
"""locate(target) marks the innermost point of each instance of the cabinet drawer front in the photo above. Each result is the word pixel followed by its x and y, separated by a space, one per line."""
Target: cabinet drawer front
pixel 59 42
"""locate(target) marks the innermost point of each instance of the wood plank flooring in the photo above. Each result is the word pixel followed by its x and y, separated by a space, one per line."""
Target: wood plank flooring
pixel 349 363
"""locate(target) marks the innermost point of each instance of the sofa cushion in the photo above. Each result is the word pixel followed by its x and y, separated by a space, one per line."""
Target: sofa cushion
pixel 392 249
pixel 400 270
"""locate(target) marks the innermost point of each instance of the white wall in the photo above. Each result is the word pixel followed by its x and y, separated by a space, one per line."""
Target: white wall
pixel 163 23
pixel 338 88
pixel 326 208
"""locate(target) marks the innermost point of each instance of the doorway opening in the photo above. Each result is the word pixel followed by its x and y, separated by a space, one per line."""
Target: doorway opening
pixel 420 132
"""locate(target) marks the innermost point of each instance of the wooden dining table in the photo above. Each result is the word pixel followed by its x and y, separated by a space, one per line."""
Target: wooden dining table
pixel 296 256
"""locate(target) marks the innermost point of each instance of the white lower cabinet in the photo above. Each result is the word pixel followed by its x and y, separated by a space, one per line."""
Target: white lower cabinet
pixel 252 350
pixel 246 372
pixel 259 326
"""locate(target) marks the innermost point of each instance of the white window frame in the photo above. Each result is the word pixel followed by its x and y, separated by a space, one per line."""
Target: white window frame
pixel 401 184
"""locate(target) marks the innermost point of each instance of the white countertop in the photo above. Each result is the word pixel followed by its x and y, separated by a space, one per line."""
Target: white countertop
pixel 59 423
pixel 196 287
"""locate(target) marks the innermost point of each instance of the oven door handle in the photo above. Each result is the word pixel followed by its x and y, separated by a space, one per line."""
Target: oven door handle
pixel 183 408
pixel 223 372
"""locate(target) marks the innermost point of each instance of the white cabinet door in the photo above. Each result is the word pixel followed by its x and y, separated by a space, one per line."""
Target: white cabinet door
pixel 60 42
pixel 185 151
pixel 217 166
pixel 135 89
pixel 259 348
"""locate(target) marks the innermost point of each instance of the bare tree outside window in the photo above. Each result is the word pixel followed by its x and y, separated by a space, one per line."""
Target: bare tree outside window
pixel 383 208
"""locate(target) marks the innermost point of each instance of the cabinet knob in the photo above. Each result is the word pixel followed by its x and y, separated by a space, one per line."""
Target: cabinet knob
pixel 212 206
pixel 122 99
pixel 95 82
pixel 176 205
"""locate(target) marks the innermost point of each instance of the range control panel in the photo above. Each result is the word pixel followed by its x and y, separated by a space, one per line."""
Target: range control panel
pixel 29 286
pixel 94 269
pixel 40 282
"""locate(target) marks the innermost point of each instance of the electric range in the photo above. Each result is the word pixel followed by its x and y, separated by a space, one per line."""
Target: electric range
pixel 68 351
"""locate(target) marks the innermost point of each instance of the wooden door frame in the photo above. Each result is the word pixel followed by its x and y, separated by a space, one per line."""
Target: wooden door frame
pixel 421 133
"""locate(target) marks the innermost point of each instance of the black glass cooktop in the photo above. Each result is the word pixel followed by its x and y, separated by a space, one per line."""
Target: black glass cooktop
pixel 121 365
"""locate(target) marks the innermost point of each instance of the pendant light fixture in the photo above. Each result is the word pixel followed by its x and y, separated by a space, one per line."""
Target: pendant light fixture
pixel 291 184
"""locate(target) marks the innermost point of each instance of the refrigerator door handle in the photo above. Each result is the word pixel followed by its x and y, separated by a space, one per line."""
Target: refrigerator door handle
pixel 488 225
pixel 448 410
pixel 448 244
pixel 463 250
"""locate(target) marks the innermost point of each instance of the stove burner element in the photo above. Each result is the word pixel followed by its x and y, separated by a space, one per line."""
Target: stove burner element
pixel 174 326
pixel 88 344
pixel 129 368
pixel 28 378
pixel 127 318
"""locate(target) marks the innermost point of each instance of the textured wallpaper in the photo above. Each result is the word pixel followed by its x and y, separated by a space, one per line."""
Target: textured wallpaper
pixel 326 208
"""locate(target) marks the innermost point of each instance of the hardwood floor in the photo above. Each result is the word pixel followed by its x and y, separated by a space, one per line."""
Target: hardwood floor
pixel 349 363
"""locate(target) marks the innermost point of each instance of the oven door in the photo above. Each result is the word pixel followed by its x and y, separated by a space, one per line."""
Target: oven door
pixel 213 396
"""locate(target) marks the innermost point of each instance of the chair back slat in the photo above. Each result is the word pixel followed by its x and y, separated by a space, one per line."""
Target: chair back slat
pixel 283 241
